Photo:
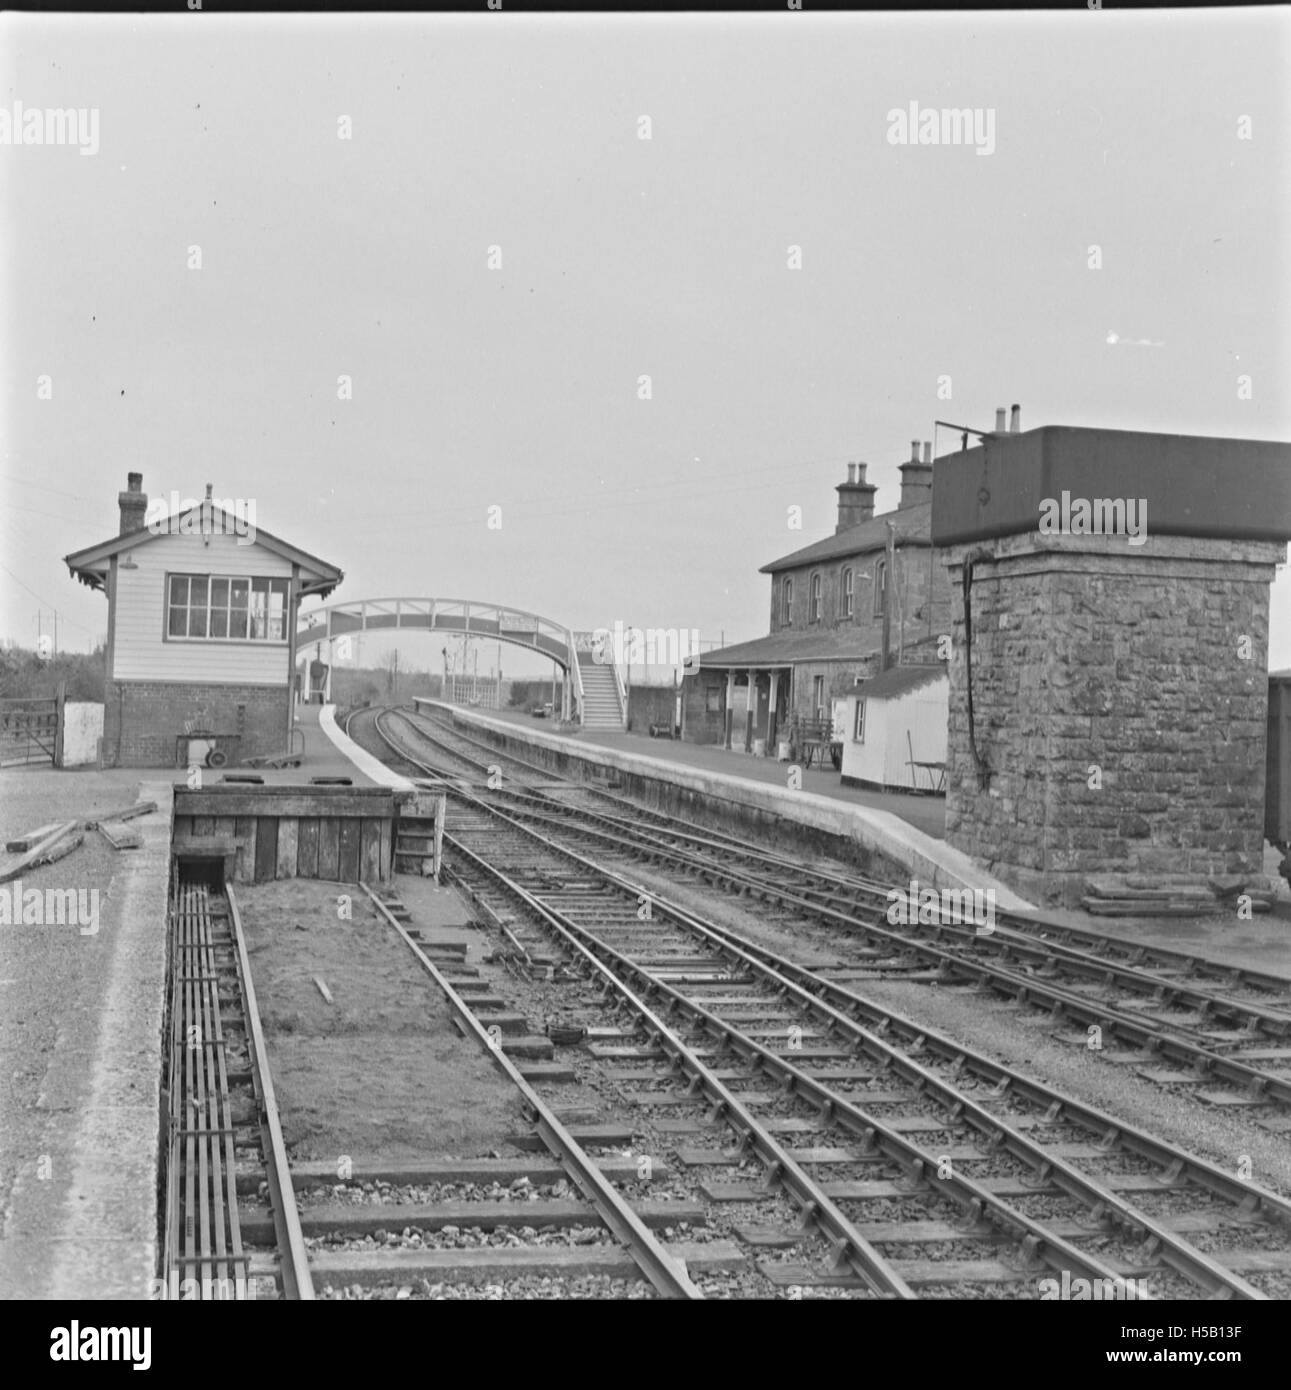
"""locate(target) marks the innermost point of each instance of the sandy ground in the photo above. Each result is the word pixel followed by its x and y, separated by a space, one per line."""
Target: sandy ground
pixel 380 1070
pixel 58 1039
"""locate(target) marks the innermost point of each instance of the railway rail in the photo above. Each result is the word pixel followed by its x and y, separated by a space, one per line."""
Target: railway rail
pixel 1234 1046
pixel 917 1144
pixel 223 1132
pixel 844 889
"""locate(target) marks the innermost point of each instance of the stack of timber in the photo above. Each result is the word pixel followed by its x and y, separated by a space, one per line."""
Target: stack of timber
pixel 49 843
pixel 1160 895
pixel 43 845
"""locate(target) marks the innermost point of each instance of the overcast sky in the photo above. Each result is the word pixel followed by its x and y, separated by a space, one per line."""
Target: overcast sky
pixel 478 387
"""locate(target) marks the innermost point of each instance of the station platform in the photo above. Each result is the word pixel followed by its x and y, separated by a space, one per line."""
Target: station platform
pixel 746 791
pixel 905 830
pixel 925 813
pixel 323 755
pixel 81 1015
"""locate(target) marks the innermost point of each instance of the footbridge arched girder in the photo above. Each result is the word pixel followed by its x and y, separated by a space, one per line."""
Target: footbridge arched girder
pixel 468 617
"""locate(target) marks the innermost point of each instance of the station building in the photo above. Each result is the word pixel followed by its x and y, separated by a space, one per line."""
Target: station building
pixel 202 615
pixel 843 609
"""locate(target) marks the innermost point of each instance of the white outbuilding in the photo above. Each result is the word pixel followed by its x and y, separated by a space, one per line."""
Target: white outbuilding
pixel 896 730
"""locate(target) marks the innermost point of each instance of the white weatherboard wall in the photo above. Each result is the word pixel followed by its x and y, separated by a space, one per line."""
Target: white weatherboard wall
pixel 141 650
pixel 82 729
pixel 884 757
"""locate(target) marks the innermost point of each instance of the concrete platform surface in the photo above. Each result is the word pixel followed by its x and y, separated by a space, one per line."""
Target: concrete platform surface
pixel 347 755
pixel 81 1014
pixel 322 757
pixel 925 813
pixel 927 859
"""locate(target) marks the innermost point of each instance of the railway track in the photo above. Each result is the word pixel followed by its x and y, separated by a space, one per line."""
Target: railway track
pixel 223 1134
pixel 886 1137
pixel 236 1228
pixel 846 890
pixel 1226 1048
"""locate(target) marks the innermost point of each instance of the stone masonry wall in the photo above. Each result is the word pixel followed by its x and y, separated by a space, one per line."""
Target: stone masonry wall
pixel 1092 654
pixel 143 718
pixel 925 596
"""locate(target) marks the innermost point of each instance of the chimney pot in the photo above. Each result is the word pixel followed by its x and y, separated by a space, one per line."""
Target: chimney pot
pixel 133 505
pixel 208 492
pixel 1015 424
pixel 999 419
pixel 916 478
pixel 927 450
pixel 855 498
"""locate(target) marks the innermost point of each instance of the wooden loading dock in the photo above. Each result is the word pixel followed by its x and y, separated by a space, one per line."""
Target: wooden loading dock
pixel 341 834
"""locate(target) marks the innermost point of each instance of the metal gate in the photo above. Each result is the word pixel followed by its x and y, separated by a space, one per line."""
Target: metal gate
pixel 30 731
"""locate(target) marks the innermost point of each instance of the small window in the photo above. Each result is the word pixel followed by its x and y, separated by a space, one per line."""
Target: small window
pixel 814 614
pixel 858 734
pixel 845 589
pixel 880 587
pixel 786 607
pixel 713 699
pixel 818 696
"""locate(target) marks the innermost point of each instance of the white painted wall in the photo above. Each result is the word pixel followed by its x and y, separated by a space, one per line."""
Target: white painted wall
pixel 82 729
pixel 884 757
pixel 141 650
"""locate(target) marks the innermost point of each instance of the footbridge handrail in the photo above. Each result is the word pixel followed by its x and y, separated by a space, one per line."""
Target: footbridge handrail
pixel 472 617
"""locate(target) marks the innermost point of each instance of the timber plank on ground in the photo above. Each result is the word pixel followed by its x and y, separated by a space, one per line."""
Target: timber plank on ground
pixel 54 846
pixel 119 836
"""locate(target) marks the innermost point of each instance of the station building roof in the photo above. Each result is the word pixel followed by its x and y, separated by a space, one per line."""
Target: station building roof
pixel 790 648
pixel 914 527
pixel 92 564
pixel 836 644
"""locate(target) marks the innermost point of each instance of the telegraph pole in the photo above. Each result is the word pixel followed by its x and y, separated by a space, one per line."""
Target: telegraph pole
pixel 888 579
